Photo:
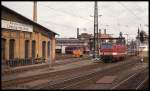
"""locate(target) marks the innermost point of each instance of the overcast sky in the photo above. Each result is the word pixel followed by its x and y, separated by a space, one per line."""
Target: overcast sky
pixel 65 17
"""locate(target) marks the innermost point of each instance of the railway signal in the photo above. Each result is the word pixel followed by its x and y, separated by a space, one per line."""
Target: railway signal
pixel 142 36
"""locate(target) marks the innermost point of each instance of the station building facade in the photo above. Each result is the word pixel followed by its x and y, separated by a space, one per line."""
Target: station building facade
pixel 23 38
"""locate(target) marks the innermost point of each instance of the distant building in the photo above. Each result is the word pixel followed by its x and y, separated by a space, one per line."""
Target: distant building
pixel 104 35
pixel 62 43
pixel 84 40
pixel 23 38
pixel 100 35
pixel 84 36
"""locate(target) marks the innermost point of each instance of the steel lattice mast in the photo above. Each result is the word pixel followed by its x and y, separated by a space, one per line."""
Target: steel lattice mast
pixel 95 30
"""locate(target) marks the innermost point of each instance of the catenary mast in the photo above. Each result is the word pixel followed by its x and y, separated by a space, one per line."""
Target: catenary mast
pixel 96 48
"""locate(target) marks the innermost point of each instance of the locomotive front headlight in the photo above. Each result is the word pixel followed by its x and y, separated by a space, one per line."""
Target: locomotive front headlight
pixel 114 53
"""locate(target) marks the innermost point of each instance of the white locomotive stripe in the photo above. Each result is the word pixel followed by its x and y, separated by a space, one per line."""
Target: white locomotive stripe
pixel 111 53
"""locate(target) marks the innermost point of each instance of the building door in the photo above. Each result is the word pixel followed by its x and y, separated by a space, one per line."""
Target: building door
pixel 11 48
pixel 3 48
pixel 33 48
pixel 43 49
pixel 26 48
pixel 48 51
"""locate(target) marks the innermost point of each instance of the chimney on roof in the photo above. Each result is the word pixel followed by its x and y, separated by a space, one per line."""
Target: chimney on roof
pixel 105 31
pixel 77 32
pixel 35 11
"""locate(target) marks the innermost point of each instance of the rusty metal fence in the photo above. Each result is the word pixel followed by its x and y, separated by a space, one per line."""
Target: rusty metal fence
pixel 23 62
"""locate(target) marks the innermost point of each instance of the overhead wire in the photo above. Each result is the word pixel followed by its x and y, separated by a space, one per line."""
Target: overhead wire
pixel 47 22
pixel 81 16
pixel 130 11
pixel 58 10
pixel 69 13
pixel 53 23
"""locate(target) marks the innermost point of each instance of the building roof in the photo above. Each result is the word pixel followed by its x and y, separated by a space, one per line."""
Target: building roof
pixel 85 35
pixel 69 40
pixel 29 20
pixel 105 36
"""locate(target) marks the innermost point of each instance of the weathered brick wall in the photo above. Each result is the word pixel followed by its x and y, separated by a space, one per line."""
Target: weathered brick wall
pixel 38 35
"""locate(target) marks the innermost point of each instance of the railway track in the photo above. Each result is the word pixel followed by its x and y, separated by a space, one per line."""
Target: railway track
pixel 134 81
pixel 65 79
pixel 90 83
pixel 70 60
pixel 42 66
pixel 90 75
pixel 58 74
pixel 63 56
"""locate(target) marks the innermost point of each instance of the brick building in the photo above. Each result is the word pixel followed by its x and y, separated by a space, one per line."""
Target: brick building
pixel 22 38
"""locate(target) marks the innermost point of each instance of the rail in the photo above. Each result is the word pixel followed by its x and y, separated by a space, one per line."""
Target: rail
pixel 127 79
pixel 79 77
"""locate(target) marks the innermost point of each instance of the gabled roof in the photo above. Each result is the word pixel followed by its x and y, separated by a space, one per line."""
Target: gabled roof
pixel 29 20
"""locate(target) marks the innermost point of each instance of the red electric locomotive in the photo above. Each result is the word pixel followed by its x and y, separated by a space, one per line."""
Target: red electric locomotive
pixel 112 49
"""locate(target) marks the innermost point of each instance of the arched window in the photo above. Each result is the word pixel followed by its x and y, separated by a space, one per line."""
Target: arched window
pixel 26 48
pixel 33 48
pixel 11 48
pixel 48 49
pixel 43 49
